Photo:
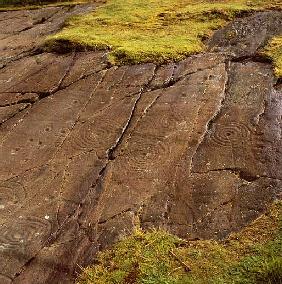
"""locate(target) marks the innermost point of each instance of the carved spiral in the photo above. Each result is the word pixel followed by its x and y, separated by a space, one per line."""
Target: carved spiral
pixel 232 134
pixel 23 232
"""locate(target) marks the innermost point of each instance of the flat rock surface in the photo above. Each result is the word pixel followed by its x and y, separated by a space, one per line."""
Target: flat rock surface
pixel 23 32
pixel 89 151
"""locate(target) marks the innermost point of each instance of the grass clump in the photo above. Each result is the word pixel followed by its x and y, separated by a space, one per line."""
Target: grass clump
pixel 140 256
pixel 252 256
pixel 154 30
pixel 274 51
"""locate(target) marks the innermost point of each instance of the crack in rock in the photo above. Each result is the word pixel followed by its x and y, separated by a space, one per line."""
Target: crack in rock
pixel 89 151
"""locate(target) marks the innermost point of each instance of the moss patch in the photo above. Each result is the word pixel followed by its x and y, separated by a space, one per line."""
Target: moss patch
pixel 274 51
pixel 155 30
pixel 251 256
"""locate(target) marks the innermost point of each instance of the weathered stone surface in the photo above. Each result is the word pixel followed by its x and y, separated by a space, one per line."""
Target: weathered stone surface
pixel 7 99
pixel 161 138
pixel 89 151
pixel 5 280
pixel 247 127
pixel 243 37
pixel 39 73
pixel 85 64
pixel 9 111
pixel 22 32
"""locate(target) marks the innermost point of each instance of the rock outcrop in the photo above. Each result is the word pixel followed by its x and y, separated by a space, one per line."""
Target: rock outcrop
pixel 88 151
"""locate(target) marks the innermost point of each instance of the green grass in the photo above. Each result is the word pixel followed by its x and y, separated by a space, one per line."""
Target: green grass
pixel 252 256
pixel 274 51
pixel 154 30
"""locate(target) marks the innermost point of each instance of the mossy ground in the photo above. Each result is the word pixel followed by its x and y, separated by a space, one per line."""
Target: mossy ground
pixel 154 30
pixel 252 256
pixel 274 51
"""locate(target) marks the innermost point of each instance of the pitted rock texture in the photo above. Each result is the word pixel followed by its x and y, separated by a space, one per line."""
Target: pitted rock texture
pixel 89 151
